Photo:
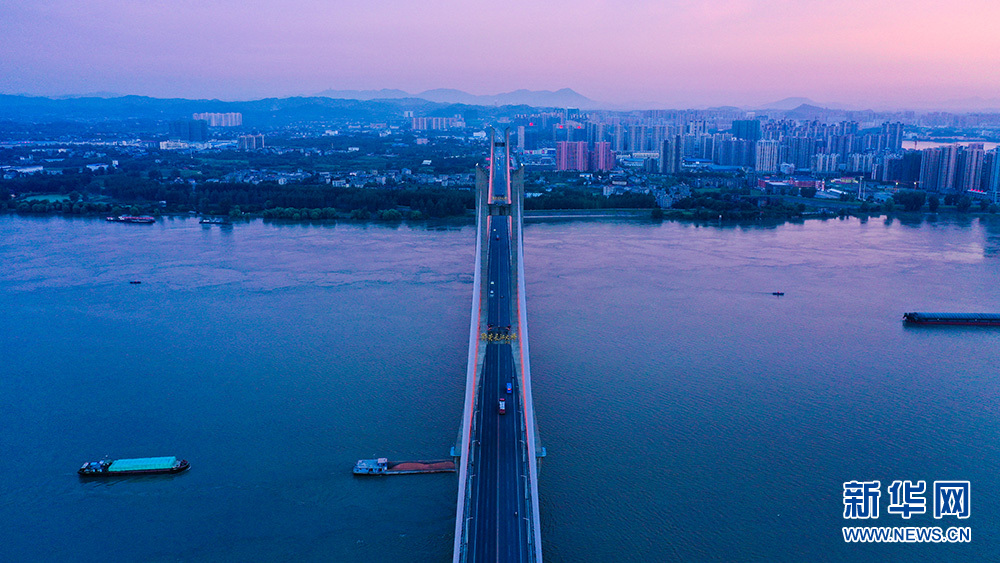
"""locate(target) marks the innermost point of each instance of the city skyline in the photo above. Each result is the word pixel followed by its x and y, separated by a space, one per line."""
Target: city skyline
pixel 669 54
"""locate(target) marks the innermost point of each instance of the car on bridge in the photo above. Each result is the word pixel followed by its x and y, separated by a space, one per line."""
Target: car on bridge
pixel 503 406
pixel 510 388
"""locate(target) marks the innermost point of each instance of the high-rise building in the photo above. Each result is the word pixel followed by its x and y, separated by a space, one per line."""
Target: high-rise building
pixel 602 158
pixel 800 151
pixel 436 123
pixel 748 129
pixel 991 175
pixel 697 127
pixel 893 135
pixel 250 142
pixel 930 169
pixel 671 154
pixel 193 130
pixel 824 163
pixel 572 155
pixel 937 168
pixel 841 145
pixel 232 119
pixel 949 167
pixel 638 138
pixel 766 158
pixel 969 168
pixel 903 169
pixel 861 162
pixel 618 138
pixel 595 132
pixel 734 152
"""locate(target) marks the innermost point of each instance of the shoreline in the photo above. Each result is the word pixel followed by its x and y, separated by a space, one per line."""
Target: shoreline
pixel 673 215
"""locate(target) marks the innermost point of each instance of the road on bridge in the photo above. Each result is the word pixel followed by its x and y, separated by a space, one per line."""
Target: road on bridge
pixel 498 529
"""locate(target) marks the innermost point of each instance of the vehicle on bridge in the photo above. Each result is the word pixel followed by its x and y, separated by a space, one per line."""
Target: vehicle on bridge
pixel 503 406
pixel 510 388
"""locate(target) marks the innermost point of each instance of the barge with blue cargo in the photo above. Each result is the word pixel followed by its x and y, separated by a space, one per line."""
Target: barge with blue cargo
pixel 134 466
pixel 952 319
pixel 382 466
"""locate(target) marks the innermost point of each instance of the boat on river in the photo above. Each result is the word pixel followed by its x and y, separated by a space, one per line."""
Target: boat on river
pixel 955 319
pixel 134 466
pixel 382 466
pixel 131 219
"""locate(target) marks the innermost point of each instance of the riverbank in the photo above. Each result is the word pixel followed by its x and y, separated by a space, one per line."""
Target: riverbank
pixel 805 209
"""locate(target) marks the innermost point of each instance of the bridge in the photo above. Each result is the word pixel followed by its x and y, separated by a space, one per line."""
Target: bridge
pixel 497 516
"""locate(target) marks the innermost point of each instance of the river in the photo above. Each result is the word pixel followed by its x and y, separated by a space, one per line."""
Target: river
pixel 688 414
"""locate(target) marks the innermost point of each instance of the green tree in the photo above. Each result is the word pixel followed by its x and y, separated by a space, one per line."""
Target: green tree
pixel 932 203
pixel 809 192
pixel 963 204
pixel 391 215
pixel 888 205
pixel 911 200
pixel 74 196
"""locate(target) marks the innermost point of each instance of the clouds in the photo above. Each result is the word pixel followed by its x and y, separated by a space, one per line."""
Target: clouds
pixel 680 51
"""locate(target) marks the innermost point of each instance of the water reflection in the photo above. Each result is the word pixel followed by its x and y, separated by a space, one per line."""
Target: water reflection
pixel 991 244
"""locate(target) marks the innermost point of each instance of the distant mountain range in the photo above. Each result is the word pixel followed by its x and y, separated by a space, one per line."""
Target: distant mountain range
pixel 380 105
pixel 564 98
pixel 255 112
pixel 797 102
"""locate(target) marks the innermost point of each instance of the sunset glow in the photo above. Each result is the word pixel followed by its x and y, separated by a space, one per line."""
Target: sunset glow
pixel 674 53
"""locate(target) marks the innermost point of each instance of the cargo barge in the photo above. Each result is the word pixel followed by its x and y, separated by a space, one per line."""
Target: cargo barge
pixel 137 466
pixel 382 466
pixel 131 219
pixel 953 319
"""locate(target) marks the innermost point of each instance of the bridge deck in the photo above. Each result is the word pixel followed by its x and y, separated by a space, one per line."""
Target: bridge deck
pixel 497 514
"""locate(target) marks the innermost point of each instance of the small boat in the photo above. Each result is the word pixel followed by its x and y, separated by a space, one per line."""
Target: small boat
pixel 215 221
pixel 382 466
pixel 135 282
pixel 131 219
pixel 136 466
pixel 777 293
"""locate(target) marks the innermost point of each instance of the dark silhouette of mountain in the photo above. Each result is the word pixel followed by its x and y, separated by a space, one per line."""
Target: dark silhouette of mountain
pixel 806 111
pixel 450 96
pixel 789 103
pixel 564 97
pixel 536 98
pixel 90 95
pixel 794 103
pixel 255 112
pixel 383 94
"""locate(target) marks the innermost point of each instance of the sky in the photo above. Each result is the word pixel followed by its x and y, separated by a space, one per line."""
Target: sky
pixel 667 53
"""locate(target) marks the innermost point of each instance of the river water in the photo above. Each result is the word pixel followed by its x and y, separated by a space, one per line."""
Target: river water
pixel 688 414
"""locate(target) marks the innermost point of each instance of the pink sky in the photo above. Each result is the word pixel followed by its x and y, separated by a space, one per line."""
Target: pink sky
pixel 673 52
